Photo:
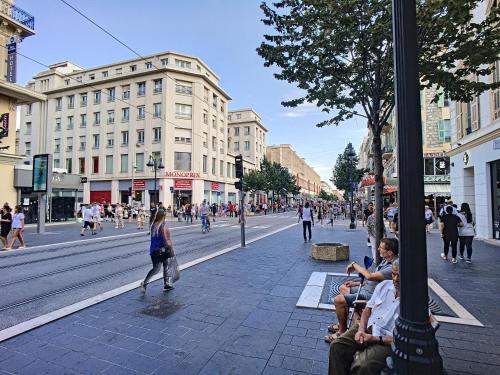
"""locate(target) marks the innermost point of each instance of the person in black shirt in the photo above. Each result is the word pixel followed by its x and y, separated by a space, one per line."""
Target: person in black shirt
pixel 6 222
pixel 449 232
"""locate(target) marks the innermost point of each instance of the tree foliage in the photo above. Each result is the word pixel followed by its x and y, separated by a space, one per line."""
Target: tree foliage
pixel 346 171
pixel 327 196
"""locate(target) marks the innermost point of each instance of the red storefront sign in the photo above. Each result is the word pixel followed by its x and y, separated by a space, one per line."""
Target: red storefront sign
pixel 215 186
pixel 183 184
pixel 370 181
pixel 139 185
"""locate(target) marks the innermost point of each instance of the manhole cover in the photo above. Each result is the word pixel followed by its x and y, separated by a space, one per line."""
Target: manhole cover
pixel 161 308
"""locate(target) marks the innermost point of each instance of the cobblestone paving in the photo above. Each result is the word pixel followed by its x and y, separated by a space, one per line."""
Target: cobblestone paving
pixel 236 314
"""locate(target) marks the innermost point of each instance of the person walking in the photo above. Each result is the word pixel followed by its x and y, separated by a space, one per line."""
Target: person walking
pixel 429 219
pixel 87 220
pixel 307 220
pixel 6 222
pixel 320 213
pixel 17 228
pixel 330 215
pixel 189 215
pixel 264 207
pixel 368 211
pixel 466 231
pixel 449 233
pixel 141 218
pixel 160 250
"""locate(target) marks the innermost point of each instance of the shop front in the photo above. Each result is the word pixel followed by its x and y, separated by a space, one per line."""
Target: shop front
pixel 214 192
pixel 183 191
pixel 62 203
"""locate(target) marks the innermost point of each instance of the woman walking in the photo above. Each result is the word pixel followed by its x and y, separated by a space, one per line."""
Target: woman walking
pixel 449 232
pixel 160 250
pixel 429 219
pixel 6 222
pixel 17 228
pixel 466 231
pixel 307 219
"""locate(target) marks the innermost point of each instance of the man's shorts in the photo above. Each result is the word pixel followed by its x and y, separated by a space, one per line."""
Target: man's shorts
pixel 350 298
pixel 87 224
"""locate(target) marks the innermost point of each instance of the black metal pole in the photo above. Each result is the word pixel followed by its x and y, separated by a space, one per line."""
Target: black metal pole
pixel 352 225
pixel 154 166
pixel 415 349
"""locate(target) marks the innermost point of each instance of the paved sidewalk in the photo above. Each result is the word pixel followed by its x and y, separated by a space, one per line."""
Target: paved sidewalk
pixel 236 314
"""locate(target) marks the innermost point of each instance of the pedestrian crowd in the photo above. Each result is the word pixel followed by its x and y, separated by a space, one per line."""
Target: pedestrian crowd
pixel 12 222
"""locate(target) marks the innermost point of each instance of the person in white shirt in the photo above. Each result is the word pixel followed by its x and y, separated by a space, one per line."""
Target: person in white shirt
pixel 429 219
pixel 365 346
pixel 87 220
pixel 96 216
pixel 17 228
pixel 307 220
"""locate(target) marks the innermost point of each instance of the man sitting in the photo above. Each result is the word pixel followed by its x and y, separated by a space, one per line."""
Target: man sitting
pixel 363 349
pixel 389 250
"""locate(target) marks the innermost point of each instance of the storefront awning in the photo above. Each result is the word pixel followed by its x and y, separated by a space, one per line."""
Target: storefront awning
pixel 443 190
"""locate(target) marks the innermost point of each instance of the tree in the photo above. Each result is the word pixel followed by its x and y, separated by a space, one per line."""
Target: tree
pixel 346 171
pixel 326 196
pixel 340 53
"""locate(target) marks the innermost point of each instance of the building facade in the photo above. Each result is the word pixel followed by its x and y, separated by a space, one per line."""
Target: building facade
pixel 306 177
pixel 16 24
pixel 475 155
pixel 107 122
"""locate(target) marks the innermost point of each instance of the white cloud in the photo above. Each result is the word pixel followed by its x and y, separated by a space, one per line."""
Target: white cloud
pixel 293 114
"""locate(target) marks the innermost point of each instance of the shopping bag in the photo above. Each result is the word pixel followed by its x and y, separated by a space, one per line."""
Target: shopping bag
pixel 173 269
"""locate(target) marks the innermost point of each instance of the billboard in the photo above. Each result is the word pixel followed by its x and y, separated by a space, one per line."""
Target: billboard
pixel 4 125
pixel 42 169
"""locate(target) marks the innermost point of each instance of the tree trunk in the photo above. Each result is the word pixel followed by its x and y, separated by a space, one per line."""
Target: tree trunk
pixel 379 191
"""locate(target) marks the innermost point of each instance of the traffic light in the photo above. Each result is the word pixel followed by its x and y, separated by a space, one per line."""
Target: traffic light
pixel 129 191
pixel 240 185
pixel 239 166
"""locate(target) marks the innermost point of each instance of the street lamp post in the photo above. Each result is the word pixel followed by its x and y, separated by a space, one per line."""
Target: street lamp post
pixel 415 349
pixel 156 164
pixel 351 154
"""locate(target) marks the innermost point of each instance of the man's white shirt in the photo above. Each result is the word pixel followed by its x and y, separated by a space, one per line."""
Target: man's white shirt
pixel 385 309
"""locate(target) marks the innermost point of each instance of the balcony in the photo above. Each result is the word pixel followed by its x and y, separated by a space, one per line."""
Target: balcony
pixel 387 152
pixel 17 14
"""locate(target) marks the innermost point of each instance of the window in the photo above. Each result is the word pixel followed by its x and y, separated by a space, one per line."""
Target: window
pixel 158 84
pixel 69 144
pixel 95 140
pixel 214 143
pixel 182 64
pixel 111 94
pixel 247 130
pixel 97 97
pixel 238 116
pixel 214 123
pixel 444 131
pixel 141 112
pixel 183 110
pixel 140 136
pixel 236 132
pixel 228 169
pixel 182 161
pixel 81 164
pixel 214 100
pixel 27 147
pixel 118 71
pixel 205 118
pixel 139 162
pixel 141 88
pixel 28 109
pixel 27 131
pixel 156 134
pixel 123 163
pixel 222 106
pixel 104 74
pixel 66 82
pixel 111 141
pixel 69 165
pixel 205 94
pixel 83 143
pixel 111 117
pixel 157 110
pixel 214 166
pixel 496 93
pixel 109 163
pixel 83 120
pixel 236 146
pixel 57 145
pixel 133 68
pixel 58 124
pixel 156 155
pixel 183 89
pixel 205 140
pixel 71 101
pixel 97 118
pixel 247 145
pixel 126 91
pixel 83 100
pixel 58 104
pixel 124 138
pixel 148 64
pixel 70 123
pixel 204 163
pixel 95 164
pixel 125 114
pixel 164 61
pixel 91 77
pixel 221 168
pixel 229 117
pixel 182 140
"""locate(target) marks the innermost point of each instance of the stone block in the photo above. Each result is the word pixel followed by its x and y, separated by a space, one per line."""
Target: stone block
pixel 330 251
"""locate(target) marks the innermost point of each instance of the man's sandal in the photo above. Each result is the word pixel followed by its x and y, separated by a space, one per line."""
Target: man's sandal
pixel 333 328
pixel 331 337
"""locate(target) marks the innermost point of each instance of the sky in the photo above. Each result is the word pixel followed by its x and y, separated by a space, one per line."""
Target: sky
pixel 223 33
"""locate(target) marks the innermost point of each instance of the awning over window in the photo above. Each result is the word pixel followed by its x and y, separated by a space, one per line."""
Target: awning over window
pixel 438 190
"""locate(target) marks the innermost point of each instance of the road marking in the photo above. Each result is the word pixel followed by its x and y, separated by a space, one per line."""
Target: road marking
pixel 62 312
pixel 260 227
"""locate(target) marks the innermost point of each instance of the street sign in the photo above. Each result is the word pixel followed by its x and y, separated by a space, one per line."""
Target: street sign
pixel 83 180
pixel 139 184
pixel 171 189
pixel 354 185
pixel 11 60
pixel 218 193
pixel 215 186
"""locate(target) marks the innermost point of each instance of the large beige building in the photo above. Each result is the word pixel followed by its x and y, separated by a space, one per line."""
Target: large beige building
pixel 105 123
pixel 247 135
pixel 16 24
pixel 306 177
